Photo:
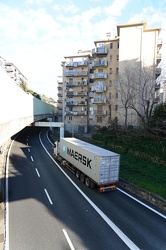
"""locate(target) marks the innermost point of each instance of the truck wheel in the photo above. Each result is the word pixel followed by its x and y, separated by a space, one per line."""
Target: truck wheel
pixel 77 174
pixel 92 184
pixel 82 177
pixel 87 182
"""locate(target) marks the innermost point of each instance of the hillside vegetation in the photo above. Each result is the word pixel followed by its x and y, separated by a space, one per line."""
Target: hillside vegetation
pixel 143 156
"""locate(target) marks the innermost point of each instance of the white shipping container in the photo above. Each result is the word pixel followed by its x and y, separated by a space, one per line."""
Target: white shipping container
pixel 99 164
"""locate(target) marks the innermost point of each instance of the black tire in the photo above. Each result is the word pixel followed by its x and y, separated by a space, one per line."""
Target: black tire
pixel 78 174
pixel 82 177
pixel 87 182
pixel 92 185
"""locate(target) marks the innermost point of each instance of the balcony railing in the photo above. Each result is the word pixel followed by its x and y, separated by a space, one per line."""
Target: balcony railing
pixel 76 64
pixel 100 51
pixel 158 71
pixel 76 73
pixel 76 113
pixel 59 113
pixel 59 101
pixel 59 88
pixel 76 84
pixel 99 75
pixel 60 95
pixel 159 56
pixel 76 93
pixel 59 107
pixel 99 89
pixel 76 103
pixel 98 100
pixel 101 63
pixel 99 112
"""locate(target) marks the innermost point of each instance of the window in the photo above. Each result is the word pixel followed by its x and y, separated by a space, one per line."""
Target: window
pixel 111 45
pixel 116 95
pixel 110 83
pixel 70 80
pixel 111 58
pixel 116 84
pixel 110 70
pixel 99 119
pixel 117 45
pixel 116 107
pixel 70 118
pixel 117 70
pixel 117 58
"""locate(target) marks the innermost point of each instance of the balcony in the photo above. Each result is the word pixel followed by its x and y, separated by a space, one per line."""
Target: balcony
pixel 159 56
pixel 100 51
pixel 76 103
pixel 158 71
pixel 59 101
pixel 59 113
pixel 99 75
pixel 76 113
pixel 99 63
pixel 99 112
pixel 59 88
pixel 76 93
pixel 59 108
pixel 77 64
pixel 9 69
pixel 99 89
pixel 76 84
pixel 157 87
pixel 59 95
pixel 98 100
pixel 73 73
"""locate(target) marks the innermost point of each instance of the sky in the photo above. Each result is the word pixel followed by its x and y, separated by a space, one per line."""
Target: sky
pixel 36 35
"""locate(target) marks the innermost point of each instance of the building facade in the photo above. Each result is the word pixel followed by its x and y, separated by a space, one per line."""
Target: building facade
pixel 14 73
pixel 89 92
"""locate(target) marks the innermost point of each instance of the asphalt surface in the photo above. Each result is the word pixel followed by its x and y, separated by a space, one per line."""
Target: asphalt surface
pixel 35 223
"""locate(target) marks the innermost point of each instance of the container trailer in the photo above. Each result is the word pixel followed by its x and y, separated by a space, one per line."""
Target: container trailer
pixel 93 165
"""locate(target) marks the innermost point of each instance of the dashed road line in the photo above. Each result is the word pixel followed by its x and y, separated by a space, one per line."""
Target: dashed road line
pixel 68 239
pixel 37 172
pixel 48 197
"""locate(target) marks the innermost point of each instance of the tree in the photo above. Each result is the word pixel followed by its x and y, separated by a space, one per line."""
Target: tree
pixel 158 118
pixel 23 85
pixel 137 92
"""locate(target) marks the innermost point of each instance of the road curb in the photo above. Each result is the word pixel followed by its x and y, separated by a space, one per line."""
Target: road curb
pixel 152 198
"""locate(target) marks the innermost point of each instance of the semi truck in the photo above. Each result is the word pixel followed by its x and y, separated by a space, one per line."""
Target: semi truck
pixel 94 166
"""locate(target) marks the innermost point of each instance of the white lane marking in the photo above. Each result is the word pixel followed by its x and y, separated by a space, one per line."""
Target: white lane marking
pixel 6 241
pixel 49 139
pixel 68 239
pixel 48 197
pixel 143 204
pixel 29 150
pixel 37 172
pixel 121 235
pixel 32 158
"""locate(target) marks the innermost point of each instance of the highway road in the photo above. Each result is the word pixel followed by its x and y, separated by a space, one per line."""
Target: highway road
pixel 48 208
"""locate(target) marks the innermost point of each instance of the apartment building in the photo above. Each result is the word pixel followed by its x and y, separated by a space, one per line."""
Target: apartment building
pixel 75 92
pixel 12 71
pixel 89 93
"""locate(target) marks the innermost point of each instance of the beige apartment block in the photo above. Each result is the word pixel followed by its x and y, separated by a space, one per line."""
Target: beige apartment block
pixel 75 92
pixel 89 93
pixel 139 55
